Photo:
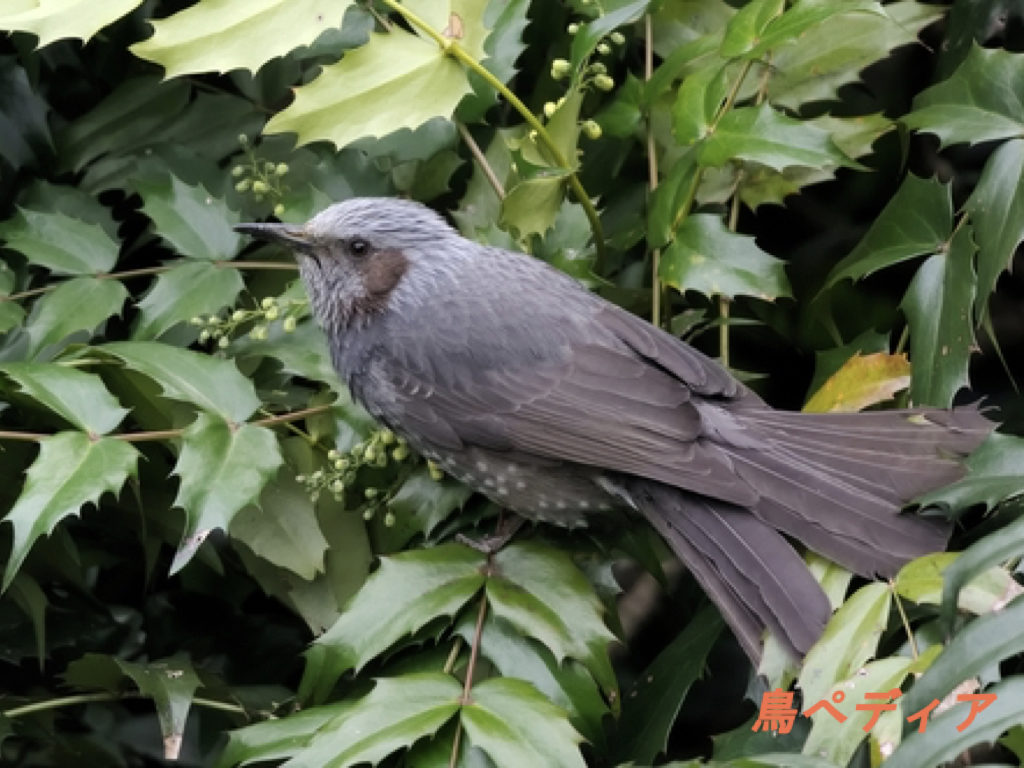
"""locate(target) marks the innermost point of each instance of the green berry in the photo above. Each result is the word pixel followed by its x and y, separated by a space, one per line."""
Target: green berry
pixel 572 29
pixel 368 514
pixel 258 333
pixel 238 315
pixel 370 493
pixel 436 474
pixel 592 130
pixel 300 478
pixel 269 168
pixel 341 464
pixel 401 453
pixel 196 321
pixel 337 486
pixel 282 169
pixel 259 186
pixel 223 342
pixel 268 302
pixel 204 337
pixel 243 185
pixel 289 324
pixel 598 68
pixel 604 83
pixel 389 519
pixel 560 68
pixel 238 170
pixel 617 38
pixel 272 314
pixel 243 139
pixel 604 49
pixel 387 437
pixel 333 455
pixel 549 108
pixel 279 210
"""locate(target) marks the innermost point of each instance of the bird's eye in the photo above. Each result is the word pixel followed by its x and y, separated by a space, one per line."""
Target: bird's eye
pixel 358 247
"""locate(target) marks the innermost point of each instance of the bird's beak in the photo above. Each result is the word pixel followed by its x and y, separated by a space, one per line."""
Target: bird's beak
pixel 287 234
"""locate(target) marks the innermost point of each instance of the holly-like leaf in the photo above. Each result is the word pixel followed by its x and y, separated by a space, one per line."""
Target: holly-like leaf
pixel 77 397
pixel 850 639
pixel 279 737
pixel 813 66
pixel 938 307
pixel 70 471
pixel 697 103
pixel 171 684
pixel 303 352
pixel 996 208
pixel 64 245
pixel 395 81
pixel 764 135
pixel 650 708
pixel 409 590
pixel 283 528
pixel 194 222
pixel 223 467
pixel 707 257
pixel 979 102
pixel 236 34
pixel 502 48
pixel 541 592
pixel 206 382
pixel 746 28
pixel 771 29
pixel 422 503
pixel 923 581
pixel 531 206
pixel 77 305
pixel 944 739
pixel 916 221
pixel 188 289
pixel 864 380
pixel 589 35
pixel 51 20
pixel 517 726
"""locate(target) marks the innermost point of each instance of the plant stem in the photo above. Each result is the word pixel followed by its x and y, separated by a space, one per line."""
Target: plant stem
pixel 470 668
pixel 88 698
pixel 652 173
pixel 170 434
pixel 130 273
pixel 906 622
pixel 451 48
pixel 481 159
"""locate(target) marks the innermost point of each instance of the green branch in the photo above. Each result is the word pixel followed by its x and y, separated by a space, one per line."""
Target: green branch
pixel 88 698
pixel 453 49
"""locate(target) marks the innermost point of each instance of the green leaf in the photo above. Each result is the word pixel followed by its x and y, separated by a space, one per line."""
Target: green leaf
pixel 51 20
pixel 775 30
pixel 303 352
pixel 517 726
pixel 697 103
pixel 531 206
pixel 541 592
pixel 764 135
pixel 283 528
pixel 667 201
pixel 394 715
pixel 188 289
pixel 171 684
pixel 26 592
pixel 979 102
pixel 405 593
pixel 502 48
pixel 826 56
pixel 64 245
pixel 194 222
pixel 942 740
pixel 916 221
pixel 745 29
pixel 236 34
pixel 70 471
pixel 653 702
pixel 922 580
pixel 938 308
pixel 993 476
pixel 77 397
pixel 589 35
pixel 395 81
pixel 708 258
pixel 567 685
pixel 24 133
pixel 223 467
pixel 996 209
pixel 77 305
pixel 850 639
pixel 280 737
pixel 862 381
pixel 422 503
pixel 125 120
pixel 207 382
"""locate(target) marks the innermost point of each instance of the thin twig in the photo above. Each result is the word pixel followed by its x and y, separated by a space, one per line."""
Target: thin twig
pixel 88 698
pixel 481 159
pixel 468 684
pixel 652 172
pixel 906 622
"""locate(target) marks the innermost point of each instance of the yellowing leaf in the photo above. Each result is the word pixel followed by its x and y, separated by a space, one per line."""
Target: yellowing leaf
pixel 51 20
pixel 221 35
pixel 395 81
pixel 863 380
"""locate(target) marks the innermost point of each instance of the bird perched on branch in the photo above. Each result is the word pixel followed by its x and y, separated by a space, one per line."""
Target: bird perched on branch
pixel 557 405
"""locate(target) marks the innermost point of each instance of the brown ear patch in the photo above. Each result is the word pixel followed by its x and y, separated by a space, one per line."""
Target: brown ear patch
pixel 381 273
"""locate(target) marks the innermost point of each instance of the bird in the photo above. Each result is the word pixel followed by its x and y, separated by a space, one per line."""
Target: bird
pixel 559 405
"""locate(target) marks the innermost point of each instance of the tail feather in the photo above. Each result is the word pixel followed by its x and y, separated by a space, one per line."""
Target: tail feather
pixel 750 571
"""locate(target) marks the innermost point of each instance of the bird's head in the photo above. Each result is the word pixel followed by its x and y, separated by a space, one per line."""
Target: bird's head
pixel 360 256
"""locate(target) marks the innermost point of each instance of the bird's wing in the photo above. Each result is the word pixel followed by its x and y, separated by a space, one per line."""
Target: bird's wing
pixel 623 399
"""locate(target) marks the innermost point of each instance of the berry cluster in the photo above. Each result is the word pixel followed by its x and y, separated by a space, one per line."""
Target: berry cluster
pixel 221 329
pixel 261 177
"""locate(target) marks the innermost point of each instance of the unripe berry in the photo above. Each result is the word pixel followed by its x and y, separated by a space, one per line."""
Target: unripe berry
pixel 337 486
pixel 243 139
pixel 223 342
pixel 549 108
pixel 389 519
pixel 259 186
pixel 598 68
pixel 560 68
pixel 604 49
pixel 617 38
pixel 289 324
pixel 272 313
pixel 282 169
pixel 196 321
pixel 238 170
pixel 370 493
pixel 243 185
pixel 592 130
pixel 279 210
pixel 401 453
pixel 572 29
pixel 604 83
pixel 204 337
pixel 238 315
pixel 268 302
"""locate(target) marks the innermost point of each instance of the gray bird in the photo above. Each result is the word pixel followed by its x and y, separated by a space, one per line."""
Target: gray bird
pixel 557 405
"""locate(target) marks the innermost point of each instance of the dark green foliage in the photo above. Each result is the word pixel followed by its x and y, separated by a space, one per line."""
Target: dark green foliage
pixel 210 553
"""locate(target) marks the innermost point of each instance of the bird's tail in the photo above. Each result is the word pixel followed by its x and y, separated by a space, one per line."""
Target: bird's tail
pixel 835 482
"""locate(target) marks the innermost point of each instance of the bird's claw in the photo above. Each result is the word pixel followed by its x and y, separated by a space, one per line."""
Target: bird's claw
pixel 492 544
